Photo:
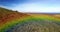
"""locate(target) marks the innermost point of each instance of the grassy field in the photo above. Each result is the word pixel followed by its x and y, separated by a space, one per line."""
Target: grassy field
pixel 14 21
pixel 46 16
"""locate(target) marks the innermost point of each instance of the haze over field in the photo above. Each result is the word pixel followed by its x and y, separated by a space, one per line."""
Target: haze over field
pixel 45 6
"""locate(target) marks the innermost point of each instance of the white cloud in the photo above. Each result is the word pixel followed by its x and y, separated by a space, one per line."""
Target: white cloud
pixel 34 7
pixel 3 6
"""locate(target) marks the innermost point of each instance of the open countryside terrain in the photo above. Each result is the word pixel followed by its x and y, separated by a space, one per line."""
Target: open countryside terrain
pixel 14 21
pixel 46 15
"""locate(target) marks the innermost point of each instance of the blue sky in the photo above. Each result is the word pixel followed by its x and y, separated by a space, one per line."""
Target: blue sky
pixel 45 6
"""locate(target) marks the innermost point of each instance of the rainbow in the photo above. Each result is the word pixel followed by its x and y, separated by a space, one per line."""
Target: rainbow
pixel 11 20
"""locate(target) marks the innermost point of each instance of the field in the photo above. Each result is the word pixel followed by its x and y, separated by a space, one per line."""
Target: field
pixel 49 16
pixel 14 21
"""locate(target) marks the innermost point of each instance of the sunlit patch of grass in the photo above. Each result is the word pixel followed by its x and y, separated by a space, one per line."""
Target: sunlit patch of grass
pixel 46 17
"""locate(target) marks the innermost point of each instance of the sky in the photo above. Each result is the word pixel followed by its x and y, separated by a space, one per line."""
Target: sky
pixel 39 6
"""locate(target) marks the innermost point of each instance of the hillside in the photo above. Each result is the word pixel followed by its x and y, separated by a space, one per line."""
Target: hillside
pixel 14 21
pixel 10 18
pixel 6 15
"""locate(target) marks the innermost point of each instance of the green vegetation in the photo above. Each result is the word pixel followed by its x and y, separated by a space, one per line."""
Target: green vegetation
pixel 28 24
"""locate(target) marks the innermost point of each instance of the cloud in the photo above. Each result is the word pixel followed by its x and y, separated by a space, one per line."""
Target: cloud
pixel 35 7
pixel 45 6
